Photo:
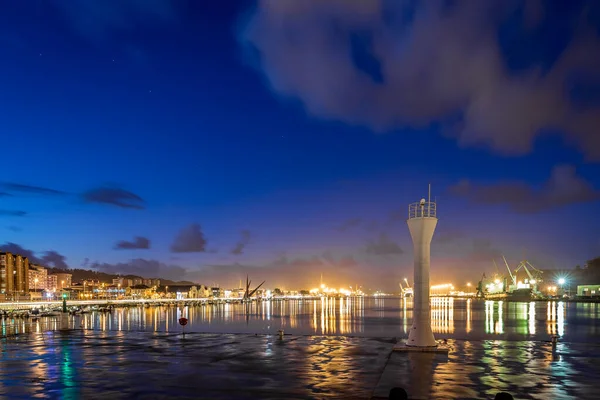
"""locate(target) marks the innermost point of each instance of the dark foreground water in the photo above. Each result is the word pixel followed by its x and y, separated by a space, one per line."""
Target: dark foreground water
pixel 368 317
pixel 142 365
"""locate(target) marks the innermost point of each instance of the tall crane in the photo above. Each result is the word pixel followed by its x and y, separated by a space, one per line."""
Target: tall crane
pixel 249 293
pixel 534 277
pixel 513 278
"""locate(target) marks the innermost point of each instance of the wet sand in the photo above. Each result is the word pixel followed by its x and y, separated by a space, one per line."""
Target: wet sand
pixel 85 364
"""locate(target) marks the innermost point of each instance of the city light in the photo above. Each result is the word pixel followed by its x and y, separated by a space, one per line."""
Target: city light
pixel 561 281
pixel 443 286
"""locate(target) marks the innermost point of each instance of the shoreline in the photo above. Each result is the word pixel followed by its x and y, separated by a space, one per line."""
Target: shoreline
pixel 15 305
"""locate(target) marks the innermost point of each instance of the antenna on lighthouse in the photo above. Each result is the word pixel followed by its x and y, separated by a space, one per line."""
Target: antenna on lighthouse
pixel 429 196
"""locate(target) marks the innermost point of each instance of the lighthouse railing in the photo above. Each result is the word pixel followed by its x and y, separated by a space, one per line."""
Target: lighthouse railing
pixel 422 209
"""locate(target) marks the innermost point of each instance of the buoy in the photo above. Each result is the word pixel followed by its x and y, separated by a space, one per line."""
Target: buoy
pixel 183 322
pixel 280 332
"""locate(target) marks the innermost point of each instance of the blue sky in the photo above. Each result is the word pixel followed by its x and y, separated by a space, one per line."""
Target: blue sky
pixel 298 134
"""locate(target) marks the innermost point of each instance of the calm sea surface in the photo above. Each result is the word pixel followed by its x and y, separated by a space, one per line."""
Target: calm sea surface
pixel 338 349
pixel 366 317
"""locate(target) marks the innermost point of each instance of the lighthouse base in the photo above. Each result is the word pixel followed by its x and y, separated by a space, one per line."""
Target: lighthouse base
pixel 403 347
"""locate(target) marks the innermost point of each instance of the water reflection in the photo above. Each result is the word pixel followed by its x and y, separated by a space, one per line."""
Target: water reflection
pixel 451 318
pixel 442 315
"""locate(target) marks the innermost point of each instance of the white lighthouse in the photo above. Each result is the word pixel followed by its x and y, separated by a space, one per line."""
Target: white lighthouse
pixel 422 220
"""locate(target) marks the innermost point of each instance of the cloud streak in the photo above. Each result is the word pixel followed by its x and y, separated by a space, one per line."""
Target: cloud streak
pixel 383 246
pixel 21 188
pixel 563 187
pixel 114 197
pixel 389 65
pixel 137 243
pixel 13 213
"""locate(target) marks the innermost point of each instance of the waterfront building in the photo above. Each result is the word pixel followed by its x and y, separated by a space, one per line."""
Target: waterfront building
pixel 21 275
pixel 14 275
pixel 139 292
pixel 38 277
pixel 123 282
pixel 185 291
pixel 588 291
pixel 217 292
pixel 52 283
pixel 7 266
pixel 63 280
pixel 151 282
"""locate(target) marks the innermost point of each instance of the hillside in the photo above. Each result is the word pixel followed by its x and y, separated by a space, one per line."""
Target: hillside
pixel 85 274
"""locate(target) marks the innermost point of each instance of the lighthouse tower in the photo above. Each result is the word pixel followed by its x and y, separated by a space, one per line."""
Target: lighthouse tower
pixel 422 220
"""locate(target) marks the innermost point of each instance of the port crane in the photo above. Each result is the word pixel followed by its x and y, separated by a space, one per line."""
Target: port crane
pixel 406 291
pixel 534 277
pixel 480 293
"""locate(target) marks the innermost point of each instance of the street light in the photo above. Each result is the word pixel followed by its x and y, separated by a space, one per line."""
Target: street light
pixel 561 283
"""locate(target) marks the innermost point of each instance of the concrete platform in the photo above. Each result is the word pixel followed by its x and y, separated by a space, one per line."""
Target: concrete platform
pixel 441 348
pixel 413 371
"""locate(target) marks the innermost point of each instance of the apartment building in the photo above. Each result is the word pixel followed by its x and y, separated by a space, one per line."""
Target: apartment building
pixel 38 277
pixel 14 274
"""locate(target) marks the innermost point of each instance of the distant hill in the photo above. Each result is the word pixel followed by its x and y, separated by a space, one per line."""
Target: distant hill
pixel 86 274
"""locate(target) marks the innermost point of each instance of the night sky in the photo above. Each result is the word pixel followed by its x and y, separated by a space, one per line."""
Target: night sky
pixel 206 140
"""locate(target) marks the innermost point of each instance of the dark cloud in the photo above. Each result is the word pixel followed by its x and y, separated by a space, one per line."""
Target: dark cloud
pixel 354 223
pixel 85 262
pixel 18 187
pixel 349 224
pixel 14 228
pixel 53 259
pixel 467 259
pixel 5 194
pixel 13 213
pixel 142 267
pixel 49 258
pixel 387 64
pixel 17 249
pixel 114 197
pixel 246 237
pixel 138 242
pixel 445 237
pixel 483 251
pixel 563 187
pixel 383 246
pixel 371 225
pixel 189 240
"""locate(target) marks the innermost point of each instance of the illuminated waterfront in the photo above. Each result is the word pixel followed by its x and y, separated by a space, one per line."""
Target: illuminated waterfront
pixel 369 317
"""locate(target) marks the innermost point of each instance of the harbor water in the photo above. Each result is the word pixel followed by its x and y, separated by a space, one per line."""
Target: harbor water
pixel 367 317
pixel 332 348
